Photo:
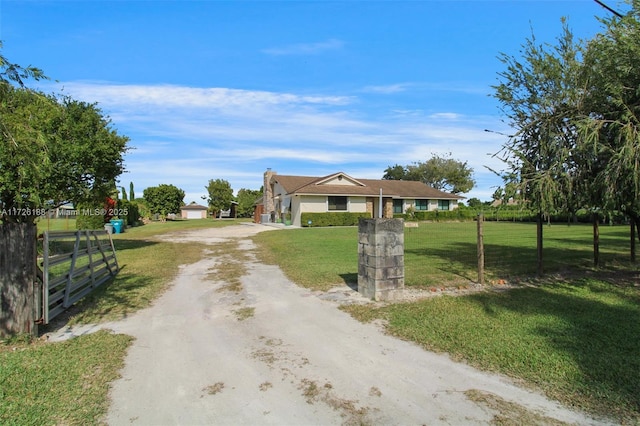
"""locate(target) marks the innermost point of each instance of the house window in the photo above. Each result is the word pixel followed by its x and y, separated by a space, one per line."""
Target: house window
pixel 337 203
pixel 397 206
pixel 422 205
pixel 443 204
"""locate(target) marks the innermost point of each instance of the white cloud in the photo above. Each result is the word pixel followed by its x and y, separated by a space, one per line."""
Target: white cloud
pixel 388 89
pixel 186 136
pixel 305 48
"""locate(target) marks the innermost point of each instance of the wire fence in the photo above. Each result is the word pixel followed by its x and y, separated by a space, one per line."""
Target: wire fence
pixel 446 253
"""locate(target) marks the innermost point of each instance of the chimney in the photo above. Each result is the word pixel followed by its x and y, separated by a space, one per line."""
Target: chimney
pixel 269 206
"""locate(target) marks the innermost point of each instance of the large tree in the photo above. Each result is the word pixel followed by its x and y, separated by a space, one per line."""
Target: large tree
pixel 163 199
pixel 540 97
pixel 440 172
pixel 53 151
pixel 611 127
pixel 246 199
pixel 220 195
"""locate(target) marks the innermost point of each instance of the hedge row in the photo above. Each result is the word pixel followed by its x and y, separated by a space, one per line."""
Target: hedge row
pixel 332 219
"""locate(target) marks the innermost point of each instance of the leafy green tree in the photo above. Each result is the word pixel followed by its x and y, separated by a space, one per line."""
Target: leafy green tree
pixel 246 199
pixel 396 172
pixel 132 195
pixel 540 95
pixel 163 199
pixel 474 203
pixel 442 173
pixel 611 127
pixel 220 195
pixel 54 151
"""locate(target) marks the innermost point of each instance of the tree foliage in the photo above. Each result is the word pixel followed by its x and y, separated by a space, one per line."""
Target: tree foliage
pixel 440 172
pixel 53 151
pixel 163 199
pixel 575 109
pixel 220 195
pixel 539 94
pixel 246 199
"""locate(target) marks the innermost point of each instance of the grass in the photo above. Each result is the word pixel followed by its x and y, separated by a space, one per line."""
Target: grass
pixel 442 254
pixel 62 383
pixel 317 258
pixel 576 339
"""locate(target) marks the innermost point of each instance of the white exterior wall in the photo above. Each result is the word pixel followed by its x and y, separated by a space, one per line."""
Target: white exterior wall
pixel 357 204
pixel 313 203
pixel 318 204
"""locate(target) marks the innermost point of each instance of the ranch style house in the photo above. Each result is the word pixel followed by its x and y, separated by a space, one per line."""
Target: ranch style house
pixel 290 196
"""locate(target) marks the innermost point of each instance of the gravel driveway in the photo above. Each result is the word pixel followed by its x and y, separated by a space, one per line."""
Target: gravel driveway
pixel 271 352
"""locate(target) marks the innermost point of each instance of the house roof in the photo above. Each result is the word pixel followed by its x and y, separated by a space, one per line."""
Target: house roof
pixel 309 185
pixel 193 206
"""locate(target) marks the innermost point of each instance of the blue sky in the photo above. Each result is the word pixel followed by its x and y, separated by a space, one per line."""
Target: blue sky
pixel 226 89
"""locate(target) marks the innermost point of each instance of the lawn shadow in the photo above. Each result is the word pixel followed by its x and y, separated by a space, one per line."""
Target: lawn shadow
pixel 601 337
pixel 460 259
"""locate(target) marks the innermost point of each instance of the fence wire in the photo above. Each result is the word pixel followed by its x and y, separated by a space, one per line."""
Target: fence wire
pixel 446 253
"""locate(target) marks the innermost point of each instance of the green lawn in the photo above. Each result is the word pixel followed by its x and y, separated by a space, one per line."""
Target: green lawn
pixel 62 383
pixel 577 340
pixel 443 254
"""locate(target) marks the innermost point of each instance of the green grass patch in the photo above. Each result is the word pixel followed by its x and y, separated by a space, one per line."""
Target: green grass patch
pixel 316 258
pixel 577 341
pixel 62 383
pixel 443 253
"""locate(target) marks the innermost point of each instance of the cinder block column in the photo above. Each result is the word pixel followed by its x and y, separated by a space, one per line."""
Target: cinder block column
pixel 381 258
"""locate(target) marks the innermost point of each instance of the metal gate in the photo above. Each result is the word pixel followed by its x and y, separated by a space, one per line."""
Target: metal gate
pixel 72 265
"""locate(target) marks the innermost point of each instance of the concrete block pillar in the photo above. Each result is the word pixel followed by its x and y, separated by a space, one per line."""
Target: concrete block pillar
pixel 381 258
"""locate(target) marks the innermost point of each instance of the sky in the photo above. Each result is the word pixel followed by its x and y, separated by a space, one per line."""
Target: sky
pixel 226 89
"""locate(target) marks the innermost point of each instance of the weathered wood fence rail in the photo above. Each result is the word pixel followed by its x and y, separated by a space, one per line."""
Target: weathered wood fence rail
pixel 73 264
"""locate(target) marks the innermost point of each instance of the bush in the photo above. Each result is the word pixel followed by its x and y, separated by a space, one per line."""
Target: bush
pixel 332 219
pixel 132 212
pixel 89 217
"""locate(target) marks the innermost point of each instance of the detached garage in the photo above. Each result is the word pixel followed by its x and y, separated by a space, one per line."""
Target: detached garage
pixel 193 211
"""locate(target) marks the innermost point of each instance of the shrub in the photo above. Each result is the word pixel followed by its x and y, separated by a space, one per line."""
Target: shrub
pixel 132 212
pixel 89 217
pixel 332 219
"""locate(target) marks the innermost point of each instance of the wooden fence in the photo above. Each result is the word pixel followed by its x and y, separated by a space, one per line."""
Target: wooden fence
pixel 73 264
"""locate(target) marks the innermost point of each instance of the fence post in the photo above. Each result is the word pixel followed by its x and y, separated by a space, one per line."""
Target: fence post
pixel 480 249
pixel 632 239
pixel 539 241
pixel 381 258
pixel 17 278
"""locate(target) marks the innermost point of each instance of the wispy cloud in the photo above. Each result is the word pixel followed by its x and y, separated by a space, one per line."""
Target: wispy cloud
pixel 387 89
pixel 305 48
pixel 187 136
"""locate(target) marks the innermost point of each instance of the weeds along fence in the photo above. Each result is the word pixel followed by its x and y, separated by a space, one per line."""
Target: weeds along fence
pixel 446 253
pixel 72 265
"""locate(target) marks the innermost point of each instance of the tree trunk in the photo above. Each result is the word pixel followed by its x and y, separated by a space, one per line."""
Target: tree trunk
pixel 17 278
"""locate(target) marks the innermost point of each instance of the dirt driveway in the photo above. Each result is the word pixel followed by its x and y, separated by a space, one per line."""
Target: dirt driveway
pixel 274 353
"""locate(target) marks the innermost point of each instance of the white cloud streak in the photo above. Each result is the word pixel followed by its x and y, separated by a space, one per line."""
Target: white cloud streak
pixel 187 136
pixel 305 48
